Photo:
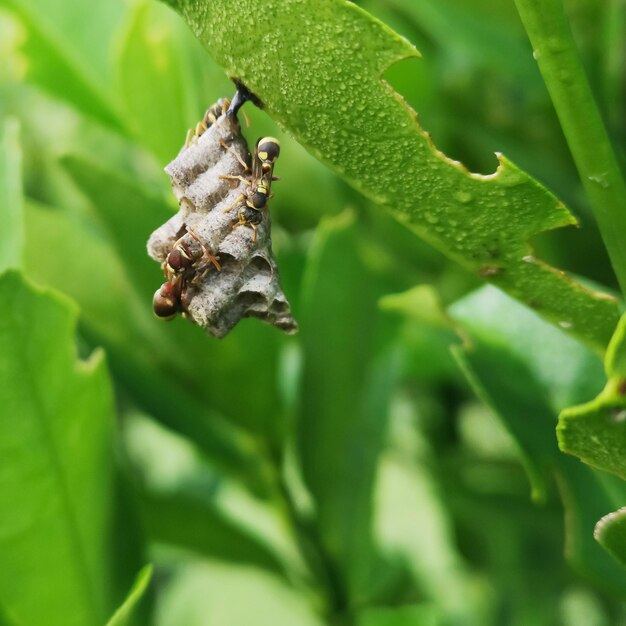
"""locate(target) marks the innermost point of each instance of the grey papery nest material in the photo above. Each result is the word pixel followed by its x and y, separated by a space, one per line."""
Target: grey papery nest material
pixel 248 284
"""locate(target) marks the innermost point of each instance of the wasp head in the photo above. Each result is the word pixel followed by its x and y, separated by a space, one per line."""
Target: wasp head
pixel 268 150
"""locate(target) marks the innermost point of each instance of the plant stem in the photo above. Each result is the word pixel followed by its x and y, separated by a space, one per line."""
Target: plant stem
pixel 614 49
pixel 562 71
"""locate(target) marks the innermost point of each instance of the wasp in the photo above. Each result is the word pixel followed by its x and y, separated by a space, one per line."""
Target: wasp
pixel 189 255
pixel 266 152
pixel 208 119
pixel 167 300
pixel 222 106
pixel 185 266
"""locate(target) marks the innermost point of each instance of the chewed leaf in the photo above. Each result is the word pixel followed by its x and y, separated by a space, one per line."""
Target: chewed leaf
pixel 317 68
pixel 596 431
pixel 611 534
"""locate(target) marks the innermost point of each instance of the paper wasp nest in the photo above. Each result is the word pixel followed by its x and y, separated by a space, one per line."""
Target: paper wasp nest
pixel 248 283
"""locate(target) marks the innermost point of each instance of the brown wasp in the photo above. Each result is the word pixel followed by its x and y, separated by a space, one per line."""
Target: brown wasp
pixel 167 300
pixel 185 267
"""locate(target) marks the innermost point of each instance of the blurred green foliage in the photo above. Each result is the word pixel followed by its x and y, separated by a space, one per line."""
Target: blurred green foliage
pixel 351 475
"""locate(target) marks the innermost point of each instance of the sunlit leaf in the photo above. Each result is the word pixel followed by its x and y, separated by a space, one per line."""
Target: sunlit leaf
pixel 190 504
pixel 215 594
pixel 414 528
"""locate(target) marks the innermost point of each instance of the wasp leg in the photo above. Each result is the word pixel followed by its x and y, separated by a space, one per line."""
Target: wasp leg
pixel 200 275
pixel 201 128
pixel 253 227
pixel 232 177
pixel 209 118
pixel 234 152
pixel 237 201
pixel 249 225
pixel 185 297
pixel 212 258
pixel 243 220
pixel 188 138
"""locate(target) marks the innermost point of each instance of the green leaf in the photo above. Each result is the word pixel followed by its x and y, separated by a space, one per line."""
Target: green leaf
pixel 164 79
pixel 420 304
pixel 11 219
pixel 216 594
pixel 426 334
pixel 348 374
pixel 187 503
pixel 123 615
pixel 55 456
pixel 413 525
pixel 130 213
pixel 189 523
pixel 70 68
pixel 5 619
pixel 527 370
pixel 596 431
pixel 422 615
pixel 319 77
pixel 611 534
pixel 151 81
pixel 468 32
pixel 529 357
pixel 587 496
